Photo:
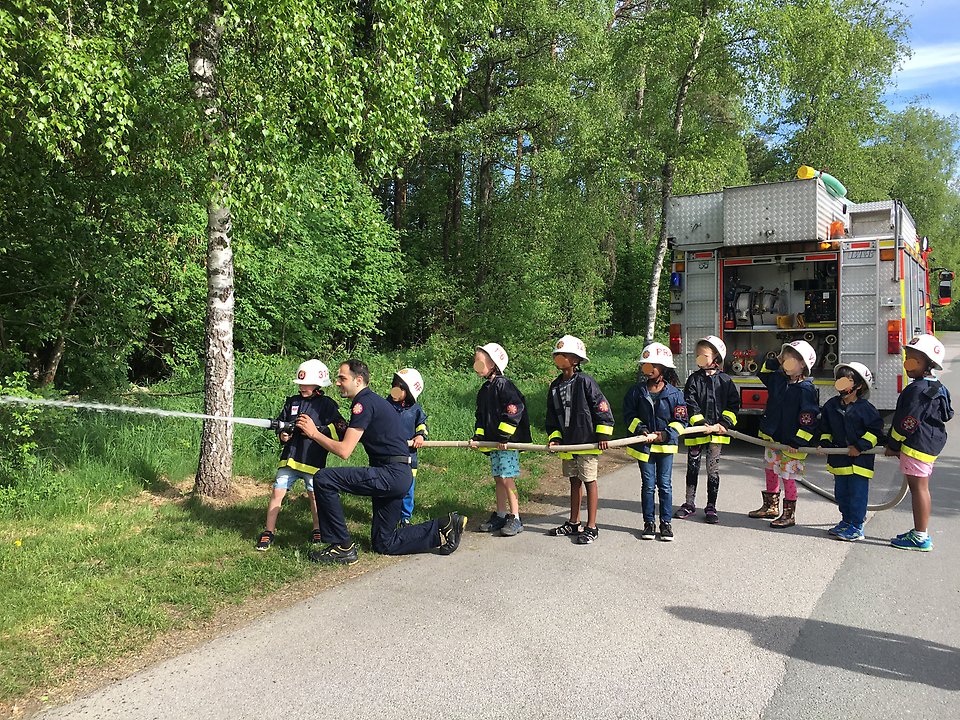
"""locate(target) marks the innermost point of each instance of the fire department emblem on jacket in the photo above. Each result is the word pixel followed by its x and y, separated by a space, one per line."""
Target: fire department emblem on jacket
pixel 512 409
pixel 604 406
pixel 909 423
pixel 680 412
pixel 807 418
pixel 357 409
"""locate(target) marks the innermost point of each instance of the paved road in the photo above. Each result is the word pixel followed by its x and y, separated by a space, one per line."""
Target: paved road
pixel 730 621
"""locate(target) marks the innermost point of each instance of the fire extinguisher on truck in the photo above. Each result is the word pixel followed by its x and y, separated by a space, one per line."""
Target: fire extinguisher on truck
pixel 765 264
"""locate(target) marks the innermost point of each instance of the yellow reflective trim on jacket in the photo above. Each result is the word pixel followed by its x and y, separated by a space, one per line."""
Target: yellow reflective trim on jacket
pixel 870 438
pixel 914 453
pixel 294 465
pixel 506 428
pixel 803 434
pixel 826 436
pixel 569 455
pixel 763 436
pixel 414 471
pixel 676 426
pixel 851 470
pixel 421 428
pixel 663 449
pixel 696 440
pixel 896 435
pixel 333 431
pixel 634 425
pixel 555 435
pixel 731 416
pixel 720 439
pixel 641 456
pixel 604 430
pixel 478 431
pixel 695 419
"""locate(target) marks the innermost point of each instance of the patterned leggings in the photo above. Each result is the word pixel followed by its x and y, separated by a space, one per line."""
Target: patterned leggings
pixel 694 455
pixel 779 467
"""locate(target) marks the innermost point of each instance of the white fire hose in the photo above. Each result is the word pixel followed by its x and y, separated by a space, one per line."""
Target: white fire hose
pixel 889 504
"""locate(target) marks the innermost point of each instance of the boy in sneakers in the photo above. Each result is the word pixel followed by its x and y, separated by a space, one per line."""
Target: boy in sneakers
pixel 501 417
pixel 300 457
pixel 713 402
pixel 578 414
pixel 848 420
pixel 917 434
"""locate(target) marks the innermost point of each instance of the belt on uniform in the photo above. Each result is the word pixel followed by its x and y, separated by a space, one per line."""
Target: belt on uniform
pixel 379 460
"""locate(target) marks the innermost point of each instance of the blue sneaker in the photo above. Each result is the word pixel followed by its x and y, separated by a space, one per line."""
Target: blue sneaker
pixel 910 541
pixel 838 528
pixel 850 533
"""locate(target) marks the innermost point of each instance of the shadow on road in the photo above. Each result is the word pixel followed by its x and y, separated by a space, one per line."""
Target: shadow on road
pixel 870 652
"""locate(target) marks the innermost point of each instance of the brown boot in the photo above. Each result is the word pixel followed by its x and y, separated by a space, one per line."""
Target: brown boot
pixel 771 506
pixel 786 520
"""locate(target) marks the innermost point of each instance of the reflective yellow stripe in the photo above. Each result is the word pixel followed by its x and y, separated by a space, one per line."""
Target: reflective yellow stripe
pixel 421 428
pixel 676 426
pixel 764 436
pixel 896 435
pixel 870 438
pixel 633 425
pixel 478 431
pixel 764 368
pixel 696 440
pixel 641 456
pixel 914 453
pixel 804 435
pixel 555 435
pixel 826 436
pixel 302 467
pixel 731 416
pixel 414 471
pixel 569 455
pixel 840 470
pixel 864 472
pixel 507 428
pixel 333 431
pixel 604 429
pixel 720 439
pixel 695 419
pixel 794 456
pixel 664 449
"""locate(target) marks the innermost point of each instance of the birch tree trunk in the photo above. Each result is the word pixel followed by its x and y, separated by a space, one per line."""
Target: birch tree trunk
pixel 669 165
pixel 215 468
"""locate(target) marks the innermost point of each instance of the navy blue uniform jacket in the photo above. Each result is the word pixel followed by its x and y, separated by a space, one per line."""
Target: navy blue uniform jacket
pixel 792 411
pixel 918 422
pixel 300 452
pixel 501 413
pixel 591 419
pixel 643 416
pixel 858 424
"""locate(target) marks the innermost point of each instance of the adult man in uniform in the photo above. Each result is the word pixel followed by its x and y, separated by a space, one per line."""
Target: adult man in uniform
pixel 376 425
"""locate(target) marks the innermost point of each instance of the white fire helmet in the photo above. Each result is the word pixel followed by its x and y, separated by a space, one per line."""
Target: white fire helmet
pixel 413 380
pixel 573 346
pixel 803 349
pixel 497 354
pixel 860 369
pixel 312 372
pixel 657 354
pixel 929 346
pixel 717 344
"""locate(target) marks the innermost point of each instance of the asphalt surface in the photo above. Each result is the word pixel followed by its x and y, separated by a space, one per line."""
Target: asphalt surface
pixel 729 621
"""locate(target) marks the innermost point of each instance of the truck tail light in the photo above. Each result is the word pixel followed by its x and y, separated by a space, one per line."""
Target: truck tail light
pixel 675 344
pixel 893 337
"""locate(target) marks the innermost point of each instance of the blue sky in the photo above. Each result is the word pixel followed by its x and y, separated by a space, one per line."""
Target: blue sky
pixel 932 74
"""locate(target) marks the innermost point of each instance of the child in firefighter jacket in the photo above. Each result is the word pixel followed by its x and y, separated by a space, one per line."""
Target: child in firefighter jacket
pixel 300 457
pixel 848 420
pixel 713 401
pixel 501 418
pixel 790 418
pixel 578 414
pixel 917 434
pixel 654 408
pixel 404 395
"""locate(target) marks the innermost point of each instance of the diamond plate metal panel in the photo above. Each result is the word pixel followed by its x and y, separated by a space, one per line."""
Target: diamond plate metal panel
pixel 696 219
pixel 856 339
pixel 701 310
pixel 795 211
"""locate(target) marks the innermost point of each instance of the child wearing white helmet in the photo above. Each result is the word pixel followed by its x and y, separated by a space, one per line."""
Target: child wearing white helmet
pixel 301 457
pixel 578 414
pixel 404 396
pixel 917 434
pixel 654 410
pixel 790 418
pixel 713 402
pixel 849 420
pixel 501 417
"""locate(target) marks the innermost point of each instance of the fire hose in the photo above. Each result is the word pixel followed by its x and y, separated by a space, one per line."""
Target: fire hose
pixel 889 504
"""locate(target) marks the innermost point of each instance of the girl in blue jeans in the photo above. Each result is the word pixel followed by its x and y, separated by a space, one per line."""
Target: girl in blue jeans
pixel 655 411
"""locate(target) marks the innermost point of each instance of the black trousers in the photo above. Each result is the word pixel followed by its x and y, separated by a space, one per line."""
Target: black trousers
pixel 386 486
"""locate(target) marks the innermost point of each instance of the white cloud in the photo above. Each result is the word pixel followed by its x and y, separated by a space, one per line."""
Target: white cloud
pixel 930 66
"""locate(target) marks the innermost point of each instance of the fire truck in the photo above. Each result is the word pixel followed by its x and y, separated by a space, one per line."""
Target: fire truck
pixel 761 265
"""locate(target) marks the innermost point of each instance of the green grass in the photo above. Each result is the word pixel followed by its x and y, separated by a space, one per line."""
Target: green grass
pixel 99 553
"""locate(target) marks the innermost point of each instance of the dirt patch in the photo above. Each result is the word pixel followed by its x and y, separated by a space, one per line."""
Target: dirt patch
pixel 553 488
